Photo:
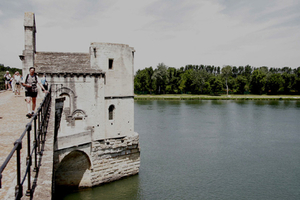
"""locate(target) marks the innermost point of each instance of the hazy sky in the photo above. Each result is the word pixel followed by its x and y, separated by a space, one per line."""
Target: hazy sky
pixel 177 33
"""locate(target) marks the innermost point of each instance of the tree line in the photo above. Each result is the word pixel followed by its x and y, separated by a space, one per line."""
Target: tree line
pixel 207 79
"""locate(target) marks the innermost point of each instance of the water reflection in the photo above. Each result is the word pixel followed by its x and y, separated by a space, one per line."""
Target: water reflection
pixel 213 150
pixel 260 102
pixel 127 188
pixel 274 103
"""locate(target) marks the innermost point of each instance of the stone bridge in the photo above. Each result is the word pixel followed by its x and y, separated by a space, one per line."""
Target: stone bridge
pixel 74 160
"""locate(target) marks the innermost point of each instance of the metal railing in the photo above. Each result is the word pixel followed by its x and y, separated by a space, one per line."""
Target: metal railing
pixel 38 124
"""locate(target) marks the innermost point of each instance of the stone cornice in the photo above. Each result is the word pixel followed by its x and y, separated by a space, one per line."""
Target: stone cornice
pixel 74 74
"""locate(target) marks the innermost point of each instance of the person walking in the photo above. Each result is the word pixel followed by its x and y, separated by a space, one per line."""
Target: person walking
pixel 13 83
pixel 7 78
pixel 30 83
pixel 17 78
pixel 44 81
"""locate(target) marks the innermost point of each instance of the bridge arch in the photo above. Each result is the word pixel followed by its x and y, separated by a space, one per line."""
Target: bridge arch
pixel 74 170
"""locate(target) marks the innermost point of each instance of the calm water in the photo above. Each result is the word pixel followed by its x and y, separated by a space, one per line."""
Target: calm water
pixel 212 150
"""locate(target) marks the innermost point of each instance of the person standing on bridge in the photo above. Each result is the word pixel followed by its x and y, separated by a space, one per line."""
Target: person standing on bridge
pixel 7 77
pixel 30 83
pixel 17 78
pixel 44 82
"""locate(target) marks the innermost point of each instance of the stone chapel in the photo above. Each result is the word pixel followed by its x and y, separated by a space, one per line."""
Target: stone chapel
pixel 95 140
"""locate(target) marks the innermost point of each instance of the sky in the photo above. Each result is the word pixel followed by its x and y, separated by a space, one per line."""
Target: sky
pixel 173 32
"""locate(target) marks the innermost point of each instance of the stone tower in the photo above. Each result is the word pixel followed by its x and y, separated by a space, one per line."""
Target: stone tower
pixel 29 51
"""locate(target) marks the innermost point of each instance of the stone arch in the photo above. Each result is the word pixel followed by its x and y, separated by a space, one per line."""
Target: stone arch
pixel 78 113
pixel 67 92
pixel 79 118
pixel 74 170
pixel 67 103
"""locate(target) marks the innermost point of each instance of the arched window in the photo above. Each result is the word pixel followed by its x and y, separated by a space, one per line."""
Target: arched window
pixel 111 112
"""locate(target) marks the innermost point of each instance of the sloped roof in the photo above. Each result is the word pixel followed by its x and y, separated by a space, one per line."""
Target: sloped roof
pixel 59 62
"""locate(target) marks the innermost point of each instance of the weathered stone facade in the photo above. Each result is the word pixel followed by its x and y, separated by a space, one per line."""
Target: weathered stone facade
pixel 115 158
pixel 94 133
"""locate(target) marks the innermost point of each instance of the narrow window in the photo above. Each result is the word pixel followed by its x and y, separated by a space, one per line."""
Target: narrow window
pixel 110 63
pixel 95 52
pixel 111 112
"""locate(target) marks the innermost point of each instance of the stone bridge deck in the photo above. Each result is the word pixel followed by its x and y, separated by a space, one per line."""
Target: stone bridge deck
pixel 12 124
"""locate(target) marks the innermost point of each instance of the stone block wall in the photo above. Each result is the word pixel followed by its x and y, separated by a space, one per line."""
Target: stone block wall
pixel 114 159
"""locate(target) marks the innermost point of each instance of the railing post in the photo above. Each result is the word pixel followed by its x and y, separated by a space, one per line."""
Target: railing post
pixel 35 143
pixel 28 192
pixel 43 122
pixel 19 187
pixel 39 132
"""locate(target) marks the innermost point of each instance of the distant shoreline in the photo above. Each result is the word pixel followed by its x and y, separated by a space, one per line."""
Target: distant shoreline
pixel 222 97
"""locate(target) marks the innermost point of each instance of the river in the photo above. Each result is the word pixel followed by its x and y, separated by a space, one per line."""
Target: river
pixel 212 149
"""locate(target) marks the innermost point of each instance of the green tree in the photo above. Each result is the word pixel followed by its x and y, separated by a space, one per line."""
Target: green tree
pixel 199 78
pixel 235 71
pixel 247 72
pixel 215 84
pixel 226 73
pixel 288 82
pixel 273 83
pixel 258 81
pixel 287 70
pixel 160 77
pixel 143 81
pixel 185 82
pixel 241 70
pixel 297 72
pixel 241 82
pixel 172 80
pixel 297 84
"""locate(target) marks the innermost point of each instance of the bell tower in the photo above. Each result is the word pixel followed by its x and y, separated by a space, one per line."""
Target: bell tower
pixel 30 46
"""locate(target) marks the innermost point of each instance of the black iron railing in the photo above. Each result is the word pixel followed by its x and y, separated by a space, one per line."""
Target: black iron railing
pixel 38 124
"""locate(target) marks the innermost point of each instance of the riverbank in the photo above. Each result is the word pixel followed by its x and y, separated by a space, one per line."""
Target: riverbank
pixel 221 97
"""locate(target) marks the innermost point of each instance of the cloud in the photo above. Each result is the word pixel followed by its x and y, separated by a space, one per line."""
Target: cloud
pixel 12 10
pixel 261 11
pixel 170 14
pixel 210 32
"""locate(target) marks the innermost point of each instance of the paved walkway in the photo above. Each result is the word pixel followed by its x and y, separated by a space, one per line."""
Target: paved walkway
pixel 12 124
